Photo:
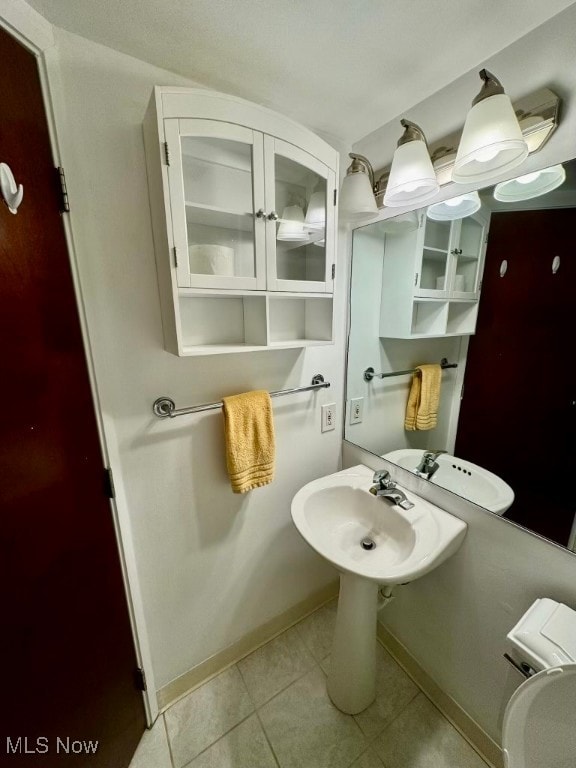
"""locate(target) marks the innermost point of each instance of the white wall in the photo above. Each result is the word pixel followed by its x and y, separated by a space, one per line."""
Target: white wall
pixel 455 620
pixel 212 565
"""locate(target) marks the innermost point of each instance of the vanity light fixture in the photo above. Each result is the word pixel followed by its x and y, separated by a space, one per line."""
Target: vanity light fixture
pixel 492 142
pixel 455 208
pixel 291 229
pixel 357 199
pixel 530 185
pixel 412 180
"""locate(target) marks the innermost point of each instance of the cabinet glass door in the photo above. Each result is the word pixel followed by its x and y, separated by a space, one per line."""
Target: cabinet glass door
pixel 216 179
pixel 469 257
pixel 300 222
pixel 432 276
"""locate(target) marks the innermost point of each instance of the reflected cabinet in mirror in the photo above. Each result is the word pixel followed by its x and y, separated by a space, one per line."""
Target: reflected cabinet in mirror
pixel 485 285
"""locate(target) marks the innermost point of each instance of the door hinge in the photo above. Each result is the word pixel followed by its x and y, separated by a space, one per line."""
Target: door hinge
pixel 416 279
pixel 462 392
pixel 175 252
pixel 480 285
pixel 335 196
pixel 63 191
pixel 166 153
pixel 109 483
pixel 333 271
pixel 140 679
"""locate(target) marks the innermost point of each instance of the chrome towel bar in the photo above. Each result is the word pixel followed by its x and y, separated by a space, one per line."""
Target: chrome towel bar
pixel 369 372
pixel 165 407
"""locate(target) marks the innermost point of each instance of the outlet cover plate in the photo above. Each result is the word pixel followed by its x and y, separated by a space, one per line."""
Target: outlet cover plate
pixel 356 410
pixel 328 417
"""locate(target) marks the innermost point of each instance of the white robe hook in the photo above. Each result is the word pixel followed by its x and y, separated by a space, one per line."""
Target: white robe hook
pixel 11 192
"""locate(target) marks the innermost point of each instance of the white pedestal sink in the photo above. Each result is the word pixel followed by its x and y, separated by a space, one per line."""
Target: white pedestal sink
pixel 335 514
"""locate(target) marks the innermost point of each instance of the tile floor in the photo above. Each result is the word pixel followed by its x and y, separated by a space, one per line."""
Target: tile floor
pixel 271 710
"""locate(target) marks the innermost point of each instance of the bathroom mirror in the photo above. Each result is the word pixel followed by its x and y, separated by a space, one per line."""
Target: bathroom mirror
pixel 491 294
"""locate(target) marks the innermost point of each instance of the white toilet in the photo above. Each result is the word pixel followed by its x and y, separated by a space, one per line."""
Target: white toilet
pixel 540 720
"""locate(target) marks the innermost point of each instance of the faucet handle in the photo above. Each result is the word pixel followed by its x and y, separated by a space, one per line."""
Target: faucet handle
pixel 382 478
pixel 433 453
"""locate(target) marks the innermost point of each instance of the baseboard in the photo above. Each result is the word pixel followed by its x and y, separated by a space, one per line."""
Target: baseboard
pixel 212 666
pixel 461 720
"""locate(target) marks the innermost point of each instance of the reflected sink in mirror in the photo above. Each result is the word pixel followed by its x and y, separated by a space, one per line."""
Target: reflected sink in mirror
pixel 462 477
pixel 335 514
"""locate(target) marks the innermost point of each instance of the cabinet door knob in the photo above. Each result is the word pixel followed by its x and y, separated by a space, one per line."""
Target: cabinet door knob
pixel 273 216
pixel 260 213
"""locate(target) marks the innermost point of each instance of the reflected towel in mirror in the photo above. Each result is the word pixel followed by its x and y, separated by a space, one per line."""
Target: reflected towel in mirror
pixel 424 398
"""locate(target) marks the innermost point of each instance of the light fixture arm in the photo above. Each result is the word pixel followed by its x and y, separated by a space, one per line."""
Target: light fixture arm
pixel 412 132
pixel 360 164
pixel 491 86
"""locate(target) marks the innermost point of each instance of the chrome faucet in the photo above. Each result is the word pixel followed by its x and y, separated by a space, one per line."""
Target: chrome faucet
pixel 428 465
pixel 385 487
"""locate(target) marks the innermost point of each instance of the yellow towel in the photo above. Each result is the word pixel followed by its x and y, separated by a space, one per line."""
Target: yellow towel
pixel 424 397
pixel 249 431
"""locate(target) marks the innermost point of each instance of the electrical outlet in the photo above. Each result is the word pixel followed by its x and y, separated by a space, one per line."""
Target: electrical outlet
pixel 356 410
pixel 328 417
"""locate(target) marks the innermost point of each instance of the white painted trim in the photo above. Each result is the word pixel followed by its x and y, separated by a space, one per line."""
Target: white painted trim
pixel 206 670
pixel 452 711
pixel 35 33
pixel 26 25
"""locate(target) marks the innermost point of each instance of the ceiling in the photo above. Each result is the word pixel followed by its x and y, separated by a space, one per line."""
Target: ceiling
pixel 342 68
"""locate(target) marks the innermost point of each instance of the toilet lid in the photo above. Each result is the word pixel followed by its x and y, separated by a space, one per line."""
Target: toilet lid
pixel 540 721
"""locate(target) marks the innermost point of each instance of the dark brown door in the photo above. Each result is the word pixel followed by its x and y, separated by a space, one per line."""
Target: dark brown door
pixel 66 648
pixel 518 415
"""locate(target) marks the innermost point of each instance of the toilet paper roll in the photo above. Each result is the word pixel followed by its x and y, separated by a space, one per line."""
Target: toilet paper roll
pixel 211 259
pixel 440 283
pixel 459 283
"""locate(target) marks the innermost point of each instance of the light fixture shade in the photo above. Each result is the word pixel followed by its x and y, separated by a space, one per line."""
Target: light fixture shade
pixel 291 229
pixel 412 179
pixel 357 199
pixel 491 143
pixel 455 208
pixel 316 211
pixel 530 185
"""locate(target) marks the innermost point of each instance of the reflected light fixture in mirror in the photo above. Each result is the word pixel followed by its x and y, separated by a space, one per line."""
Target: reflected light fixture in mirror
pixel 530 185
pixel 291 229
pixel 492 142
pixel 316 211
pixel 412 179
pixel 455 208
pixel 357 199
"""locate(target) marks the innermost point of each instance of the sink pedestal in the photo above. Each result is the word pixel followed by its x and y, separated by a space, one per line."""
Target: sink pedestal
pixel 352 677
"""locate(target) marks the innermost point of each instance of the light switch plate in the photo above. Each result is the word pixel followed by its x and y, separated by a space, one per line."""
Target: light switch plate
pixel 328 417
pixel 356 410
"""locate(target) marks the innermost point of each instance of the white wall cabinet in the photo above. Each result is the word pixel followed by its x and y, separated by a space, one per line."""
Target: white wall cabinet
pixel 432 276
pixel 244 214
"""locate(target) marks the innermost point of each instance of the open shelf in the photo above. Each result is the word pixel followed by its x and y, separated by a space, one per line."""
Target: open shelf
pixel 302 321
pixel 462 317
pixel 221 320
pixel 429 317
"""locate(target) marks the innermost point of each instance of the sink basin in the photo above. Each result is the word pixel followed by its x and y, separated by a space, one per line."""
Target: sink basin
pixel 462 477
pixel 338 516
pixel 335 513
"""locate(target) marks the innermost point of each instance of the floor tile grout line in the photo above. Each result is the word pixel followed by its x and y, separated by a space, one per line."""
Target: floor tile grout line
pixel 396 716
pixel 308 671
pixel 300 676
pixel 276 760
pixel 189 762
pixel 168 741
